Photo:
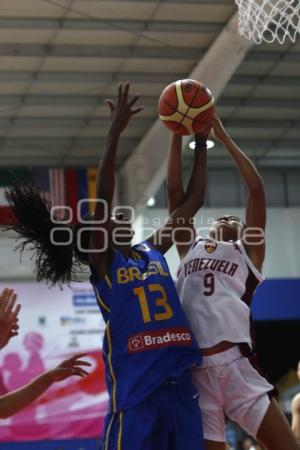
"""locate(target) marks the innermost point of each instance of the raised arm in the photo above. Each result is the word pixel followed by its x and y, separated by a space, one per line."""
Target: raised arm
pixel 121 114
pixel 256 203
pixel 175 188
pixel 182 205
pixel 15 401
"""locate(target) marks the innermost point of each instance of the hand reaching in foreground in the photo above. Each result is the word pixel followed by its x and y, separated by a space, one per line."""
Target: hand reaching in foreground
pixel 9 311
pixel 69 367
pixel 15 401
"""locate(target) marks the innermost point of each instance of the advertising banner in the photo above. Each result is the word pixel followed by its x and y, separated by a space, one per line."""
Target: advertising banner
pixel 55 324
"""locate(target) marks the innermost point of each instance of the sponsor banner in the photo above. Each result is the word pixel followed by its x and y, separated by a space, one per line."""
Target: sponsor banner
pixel 159 338
pixel 55 324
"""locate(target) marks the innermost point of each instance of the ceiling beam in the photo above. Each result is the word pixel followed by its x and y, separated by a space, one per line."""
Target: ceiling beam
pixel 166 26
pixel 134 77
pixel 201 2
pixel 266 80
pixel 94 100
pixel 87 77
pixel 77 122
pixel 104 122
pixel 128 51
pixel 144 170
pixel 98 51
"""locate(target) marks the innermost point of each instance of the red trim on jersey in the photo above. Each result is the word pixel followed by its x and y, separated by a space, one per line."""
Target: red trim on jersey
pixel 251 284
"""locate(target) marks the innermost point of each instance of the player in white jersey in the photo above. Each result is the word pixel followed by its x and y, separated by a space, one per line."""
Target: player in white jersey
pixel 217 277
pixel 296 411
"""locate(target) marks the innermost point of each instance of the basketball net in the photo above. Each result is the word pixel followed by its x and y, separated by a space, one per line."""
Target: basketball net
pixel 269 20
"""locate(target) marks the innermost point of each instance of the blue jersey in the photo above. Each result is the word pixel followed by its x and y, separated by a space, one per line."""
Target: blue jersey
pixel 147 338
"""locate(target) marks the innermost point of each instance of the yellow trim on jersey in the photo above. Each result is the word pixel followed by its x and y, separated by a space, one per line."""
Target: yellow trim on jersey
pixel 120 431
pixel 108 281
pixel 100 301
pixel 136 255
pixel 112 374
pixel 108 432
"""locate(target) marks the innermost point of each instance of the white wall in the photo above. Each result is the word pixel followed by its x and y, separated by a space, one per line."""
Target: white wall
pixel 282 237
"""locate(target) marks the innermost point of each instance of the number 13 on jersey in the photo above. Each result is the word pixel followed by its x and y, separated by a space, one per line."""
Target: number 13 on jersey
pixel 164 310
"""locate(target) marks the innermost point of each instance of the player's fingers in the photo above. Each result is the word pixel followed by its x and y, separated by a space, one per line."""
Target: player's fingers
pixel 17 310
pixel 134 100
pixel 4 298
pixel 11 302
pixel 13 334
pixel 80 372
pixel 111 105
pixel 206 130
pixel 70 361
pixel 3 294
pixel 137 110
pixel 125 93
pixel 120 93
pixel 72 371
pixel 81 363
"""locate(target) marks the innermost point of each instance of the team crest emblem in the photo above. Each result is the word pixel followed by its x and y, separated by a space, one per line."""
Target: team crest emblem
pixel 144 247
pixel 210 246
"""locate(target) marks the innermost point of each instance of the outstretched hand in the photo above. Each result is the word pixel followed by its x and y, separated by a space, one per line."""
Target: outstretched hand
pixel 9 311
pixel 68 368
pixel 122 112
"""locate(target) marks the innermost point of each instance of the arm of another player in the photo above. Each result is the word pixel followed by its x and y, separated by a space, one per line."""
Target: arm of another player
pixel 254 238
pixel 182 205
pixel 121 114
pixel 15 401
pixel 296 417
pixel 9 311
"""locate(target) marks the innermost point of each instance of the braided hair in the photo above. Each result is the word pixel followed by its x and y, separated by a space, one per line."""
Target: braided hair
pixel 55 262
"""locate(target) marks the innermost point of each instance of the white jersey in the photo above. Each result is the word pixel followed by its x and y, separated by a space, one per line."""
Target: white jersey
pixel 215 283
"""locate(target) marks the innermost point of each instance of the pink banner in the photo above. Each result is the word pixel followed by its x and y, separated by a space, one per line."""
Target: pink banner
pixel 55 324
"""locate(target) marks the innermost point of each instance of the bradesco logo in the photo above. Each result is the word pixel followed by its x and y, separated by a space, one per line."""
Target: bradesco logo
pixel 159 338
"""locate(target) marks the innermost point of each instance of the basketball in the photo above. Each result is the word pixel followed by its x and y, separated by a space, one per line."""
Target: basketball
pixel 186 107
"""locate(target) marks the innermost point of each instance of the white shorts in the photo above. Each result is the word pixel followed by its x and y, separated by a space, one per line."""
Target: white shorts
pixel 228 384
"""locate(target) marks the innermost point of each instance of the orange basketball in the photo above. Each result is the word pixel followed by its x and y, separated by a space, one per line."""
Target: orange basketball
pixel 186 107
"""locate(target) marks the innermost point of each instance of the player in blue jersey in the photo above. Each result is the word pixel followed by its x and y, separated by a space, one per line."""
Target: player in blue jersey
pixel 148 346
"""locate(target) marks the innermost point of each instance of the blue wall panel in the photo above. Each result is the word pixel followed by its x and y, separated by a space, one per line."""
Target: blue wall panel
pixel 277 299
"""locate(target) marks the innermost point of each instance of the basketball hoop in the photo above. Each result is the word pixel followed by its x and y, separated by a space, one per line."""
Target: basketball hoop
pixel 269 20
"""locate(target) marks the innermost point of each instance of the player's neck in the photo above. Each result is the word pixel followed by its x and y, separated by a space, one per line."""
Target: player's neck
pixel 125 250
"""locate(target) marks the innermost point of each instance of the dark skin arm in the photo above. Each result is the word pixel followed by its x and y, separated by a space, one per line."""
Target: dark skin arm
pixel 121 114
pixel 13 402
pixel 256 201
pixel 182 205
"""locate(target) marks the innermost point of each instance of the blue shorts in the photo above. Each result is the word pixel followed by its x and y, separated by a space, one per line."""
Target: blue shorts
pixel 169 419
